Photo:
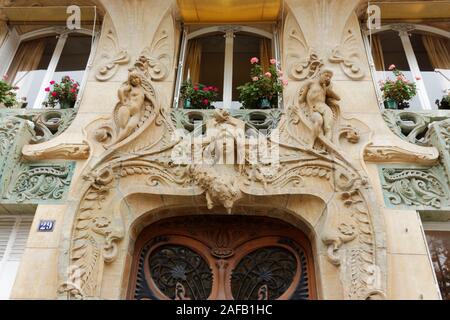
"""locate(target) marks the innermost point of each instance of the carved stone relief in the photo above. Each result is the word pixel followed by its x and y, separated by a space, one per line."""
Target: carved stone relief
pixel 415 187
pixel 112 56
pixel 138 144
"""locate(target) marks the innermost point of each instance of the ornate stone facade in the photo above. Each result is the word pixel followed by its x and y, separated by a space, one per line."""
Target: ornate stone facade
pixel 125 160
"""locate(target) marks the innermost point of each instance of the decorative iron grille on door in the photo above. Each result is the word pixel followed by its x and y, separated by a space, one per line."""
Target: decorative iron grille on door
pixel 222 258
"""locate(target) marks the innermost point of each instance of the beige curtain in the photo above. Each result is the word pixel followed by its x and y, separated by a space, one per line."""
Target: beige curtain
pixel 377 53
pixel 193 61
pixel 27 58
pixel 265 53
pixel 438 50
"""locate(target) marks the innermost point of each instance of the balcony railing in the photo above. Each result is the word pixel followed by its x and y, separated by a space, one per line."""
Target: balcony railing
pixel 32 182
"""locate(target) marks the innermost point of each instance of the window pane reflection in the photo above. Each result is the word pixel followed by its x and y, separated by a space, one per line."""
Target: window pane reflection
pixel 439 246
pixel 29 66
pixel 74 58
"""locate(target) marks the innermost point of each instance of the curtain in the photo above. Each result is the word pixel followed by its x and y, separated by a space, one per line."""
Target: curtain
pixel 27 58
pixel 265 53
pixel 438 50
pixel 377 53
pixel 193 61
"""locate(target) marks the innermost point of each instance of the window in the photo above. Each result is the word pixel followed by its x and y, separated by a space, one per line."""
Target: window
pixel 423 56
pixel 38 61
pixel 225 258
pixel 13 238
pixel 220 57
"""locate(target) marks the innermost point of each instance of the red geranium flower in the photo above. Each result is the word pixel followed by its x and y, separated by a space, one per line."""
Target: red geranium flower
pixel 54 94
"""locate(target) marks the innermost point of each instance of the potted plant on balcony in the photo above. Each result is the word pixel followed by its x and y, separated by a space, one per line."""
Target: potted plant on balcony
pixel 399 91
pixel 444 103
pixel 8 96
pixel 263 91
pixel 198 96
pixel 63 94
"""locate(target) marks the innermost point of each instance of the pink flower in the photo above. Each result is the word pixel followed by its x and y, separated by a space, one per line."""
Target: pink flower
pixel 273 61
pixel 205 102
pixel 280 73
pixel 285 82
pixel 254 60
pixel 5 77
pixel 73 90
pixel 196 88
pixel 392 67
pixel 206 89
pixel 268 75
pixel 255 78
pixel 52 82
pixel 47 89
pixel 54 94
pixel 418 78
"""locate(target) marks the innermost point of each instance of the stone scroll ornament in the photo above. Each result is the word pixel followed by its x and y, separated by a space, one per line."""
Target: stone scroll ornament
pixel 302 62
pixel 139 146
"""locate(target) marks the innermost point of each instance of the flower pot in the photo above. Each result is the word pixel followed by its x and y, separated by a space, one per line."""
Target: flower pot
pixel 263 103
pixel 67 104
pixel 391 104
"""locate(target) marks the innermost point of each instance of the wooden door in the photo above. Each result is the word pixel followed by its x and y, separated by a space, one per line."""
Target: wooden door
pixel 222 258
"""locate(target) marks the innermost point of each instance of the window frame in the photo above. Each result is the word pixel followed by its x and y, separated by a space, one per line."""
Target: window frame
pixel 62 35
pixel 228 32
pixel 404 30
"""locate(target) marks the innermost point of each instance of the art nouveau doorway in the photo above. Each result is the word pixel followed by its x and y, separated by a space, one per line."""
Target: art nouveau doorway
pixel 222 258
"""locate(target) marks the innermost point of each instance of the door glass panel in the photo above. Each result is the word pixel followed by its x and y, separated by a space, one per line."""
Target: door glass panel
pixel 439 246
pixel 180 273
pixel 264 274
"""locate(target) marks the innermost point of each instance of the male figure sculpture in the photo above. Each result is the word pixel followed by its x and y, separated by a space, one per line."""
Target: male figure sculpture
pixel 319 98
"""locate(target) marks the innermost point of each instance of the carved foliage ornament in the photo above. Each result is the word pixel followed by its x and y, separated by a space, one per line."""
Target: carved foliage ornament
pixel 414 187
pixel 348 56
pixel 302 62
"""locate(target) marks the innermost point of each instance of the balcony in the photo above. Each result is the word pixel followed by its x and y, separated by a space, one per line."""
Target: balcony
pixel 23 182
